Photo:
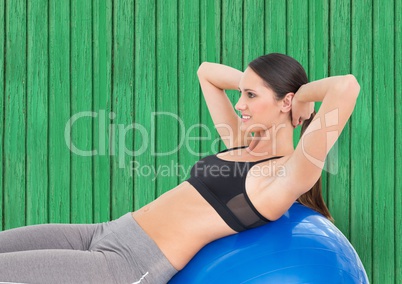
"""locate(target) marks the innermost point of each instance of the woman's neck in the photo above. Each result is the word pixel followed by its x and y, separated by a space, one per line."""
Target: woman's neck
pixel 276 141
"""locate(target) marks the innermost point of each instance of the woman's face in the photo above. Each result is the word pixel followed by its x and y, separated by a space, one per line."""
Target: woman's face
pixel 257 104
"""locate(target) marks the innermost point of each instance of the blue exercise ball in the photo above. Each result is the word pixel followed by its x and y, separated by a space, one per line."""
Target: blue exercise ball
pixel 300 247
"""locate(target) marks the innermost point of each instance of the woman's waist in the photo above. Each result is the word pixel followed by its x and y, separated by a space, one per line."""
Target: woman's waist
pixel 181 222
pixel 170 241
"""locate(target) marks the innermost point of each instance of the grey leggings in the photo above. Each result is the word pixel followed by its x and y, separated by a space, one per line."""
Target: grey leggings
pixel 112 252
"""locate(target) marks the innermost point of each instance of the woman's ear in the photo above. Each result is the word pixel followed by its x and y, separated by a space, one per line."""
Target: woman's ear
pixel 287 102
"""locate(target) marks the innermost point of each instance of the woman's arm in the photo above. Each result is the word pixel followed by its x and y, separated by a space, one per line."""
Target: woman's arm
pixel 338 95
pixel 221 76
pixel 214 79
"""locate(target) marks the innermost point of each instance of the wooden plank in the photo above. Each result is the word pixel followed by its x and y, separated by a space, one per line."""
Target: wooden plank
pixel 253 24
pixel 275 26
pixel 37 114
pixel 145 99
pixel 59 111
pixel 297 40
pixel 339 156
pixel 318 40
pixel 297 31
pixel 123 104
pixel 189 89
pixel 165 120
pixel 232 44
pixel 361 139
pixel 232 39
pixel 15 115
pixel 398 142
pixel 102 33
pixel 81 104
pixel 318 56
pixel 2 69
pixel 211 26
pixel 383 120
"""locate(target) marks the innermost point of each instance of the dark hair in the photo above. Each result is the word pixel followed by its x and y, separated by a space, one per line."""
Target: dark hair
pixel 283 74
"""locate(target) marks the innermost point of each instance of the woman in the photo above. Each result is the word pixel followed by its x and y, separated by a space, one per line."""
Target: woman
pixel 252 183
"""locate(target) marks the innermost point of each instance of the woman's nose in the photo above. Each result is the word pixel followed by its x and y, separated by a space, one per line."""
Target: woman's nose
pixel 240 105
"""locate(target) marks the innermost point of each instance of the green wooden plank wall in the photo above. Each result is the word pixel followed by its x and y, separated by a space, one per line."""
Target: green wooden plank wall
pixel 121 75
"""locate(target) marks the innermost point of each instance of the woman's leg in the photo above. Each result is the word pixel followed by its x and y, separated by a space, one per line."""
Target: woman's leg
pixel 55 266
pixel 117 252
pixel 49 236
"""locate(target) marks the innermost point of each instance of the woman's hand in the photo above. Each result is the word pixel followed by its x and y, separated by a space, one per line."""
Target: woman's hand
pixel 300 110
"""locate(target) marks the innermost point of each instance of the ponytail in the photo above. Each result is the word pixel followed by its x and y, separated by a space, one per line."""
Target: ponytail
pixel 313 198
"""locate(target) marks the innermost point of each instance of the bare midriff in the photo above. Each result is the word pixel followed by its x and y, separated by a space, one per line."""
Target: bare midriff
pixel 181 222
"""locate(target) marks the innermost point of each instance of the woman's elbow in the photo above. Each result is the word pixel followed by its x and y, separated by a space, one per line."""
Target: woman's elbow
pixel 202 67
pixel 350 86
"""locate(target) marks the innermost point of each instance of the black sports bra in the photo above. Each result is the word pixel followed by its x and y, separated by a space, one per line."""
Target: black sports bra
pixel 223 184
